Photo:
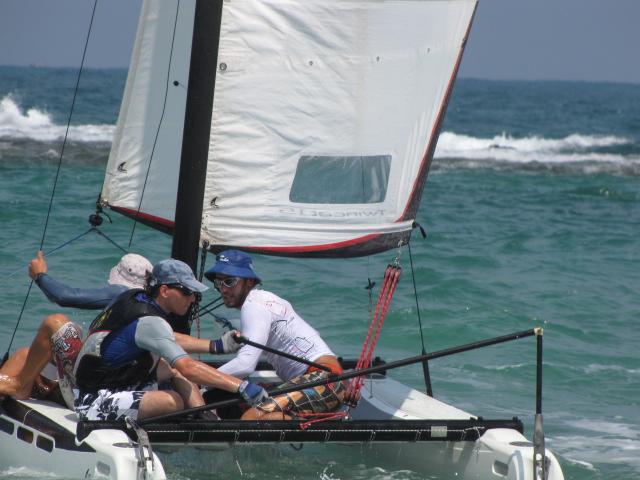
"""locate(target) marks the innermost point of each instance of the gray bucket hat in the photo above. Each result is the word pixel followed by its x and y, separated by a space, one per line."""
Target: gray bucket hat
pixel 130 271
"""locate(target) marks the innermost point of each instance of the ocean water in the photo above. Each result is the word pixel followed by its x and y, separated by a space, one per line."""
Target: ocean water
pixel 532 210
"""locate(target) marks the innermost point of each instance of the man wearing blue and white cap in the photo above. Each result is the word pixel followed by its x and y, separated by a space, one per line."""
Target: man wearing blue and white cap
pixel 269 320
pixel 131 348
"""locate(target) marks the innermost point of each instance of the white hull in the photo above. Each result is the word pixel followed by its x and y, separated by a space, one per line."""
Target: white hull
pixel 499 454
pixel 105 454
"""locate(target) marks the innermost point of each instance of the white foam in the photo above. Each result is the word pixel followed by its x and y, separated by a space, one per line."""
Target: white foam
pixel 37 125
pixel 597 368
pixel 594 449
pixel 25 472
pixel 505 148
pixel 629 432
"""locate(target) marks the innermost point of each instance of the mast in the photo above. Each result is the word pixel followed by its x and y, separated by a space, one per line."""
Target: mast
pixel 197 127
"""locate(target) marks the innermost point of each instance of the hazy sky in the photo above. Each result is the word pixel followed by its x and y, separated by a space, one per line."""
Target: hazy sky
pixel 510 39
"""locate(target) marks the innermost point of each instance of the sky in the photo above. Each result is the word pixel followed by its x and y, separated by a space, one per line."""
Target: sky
pixel 586 40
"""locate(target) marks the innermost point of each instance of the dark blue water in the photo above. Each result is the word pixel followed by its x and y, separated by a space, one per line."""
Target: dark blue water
pixel 532 209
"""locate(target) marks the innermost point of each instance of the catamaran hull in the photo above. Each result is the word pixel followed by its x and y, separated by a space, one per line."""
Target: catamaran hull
pixel 500 454
pixel 41 437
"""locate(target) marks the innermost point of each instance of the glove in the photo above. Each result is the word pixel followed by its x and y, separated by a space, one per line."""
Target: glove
pixel 253 394
pixel 225 344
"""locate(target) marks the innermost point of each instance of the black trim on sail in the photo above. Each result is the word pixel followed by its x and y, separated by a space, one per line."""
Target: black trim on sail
pixel 28 417
pixel 197 128
pixel 357 431
pixel 355 248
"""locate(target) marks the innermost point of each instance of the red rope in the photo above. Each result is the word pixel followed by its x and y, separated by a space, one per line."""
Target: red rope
pixel 390 282
pixel 320 417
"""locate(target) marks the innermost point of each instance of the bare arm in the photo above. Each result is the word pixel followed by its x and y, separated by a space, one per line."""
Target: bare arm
pixel 67 296
pixel 192 344
pixel 225 344
pixel 203 374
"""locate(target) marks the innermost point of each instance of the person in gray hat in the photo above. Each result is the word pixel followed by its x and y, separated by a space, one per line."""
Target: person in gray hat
pixel 22 374
pixel 58 340
pixel 131 348
pixel 130 272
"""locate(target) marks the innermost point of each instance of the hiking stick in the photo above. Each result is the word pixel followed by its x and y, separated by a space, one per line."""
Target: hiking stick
pixel 355 373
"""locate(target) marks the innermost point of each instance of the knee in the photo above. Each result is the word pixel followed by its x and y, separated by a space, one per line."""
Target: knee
pixel 21 354
pixel 52 323
pixel 176 401
pixel 255 414
pixel 251 414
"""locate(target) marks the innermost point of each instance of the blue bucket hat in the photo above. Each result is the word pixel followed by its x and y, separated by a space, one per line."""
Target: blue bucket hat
pixel 176 272
pixel 232 263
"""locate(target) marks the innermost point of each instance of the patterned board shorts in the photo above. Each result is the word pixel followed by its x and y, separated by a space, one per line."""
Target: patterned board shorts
pixel 112 404
pixel 320 399
pixel 65 346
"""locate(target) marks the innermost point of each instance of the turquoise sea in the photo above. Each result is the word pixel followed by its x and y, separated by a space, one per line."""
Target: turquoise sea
pixel 532 209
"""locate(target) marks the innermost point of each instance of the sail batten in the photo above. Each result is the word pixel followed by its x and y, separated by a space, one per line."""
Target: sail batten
pixel 324 122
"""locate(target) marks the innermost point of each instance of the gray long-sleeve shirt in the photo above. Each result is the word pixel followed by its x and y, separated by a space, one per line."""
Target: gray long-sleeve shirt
pixel 86 298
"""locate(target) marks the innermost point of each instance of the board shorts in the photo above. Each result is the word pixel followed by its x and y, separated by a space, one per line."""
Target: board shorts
pixel 320 399
pixel 112 405
pixel 65 346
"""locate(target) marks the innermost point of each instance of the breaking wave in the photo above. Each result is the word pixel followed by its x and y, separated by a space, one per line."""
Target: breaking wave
pixel 575 152
pixel 583 152
pixel 35 124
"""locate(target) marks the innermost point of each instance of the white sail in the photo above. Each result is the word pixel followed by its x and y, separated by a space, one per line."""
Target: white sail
pixel 325 118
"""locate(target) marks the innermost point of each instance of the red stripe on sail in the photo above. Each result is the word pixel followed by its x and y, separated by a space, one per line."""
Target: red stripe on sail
pixel 411 209
pixel 146 217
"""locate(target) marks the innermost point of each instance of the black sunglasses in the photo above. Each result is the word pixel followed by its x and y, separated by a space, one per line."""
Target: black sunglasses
pixel 184 290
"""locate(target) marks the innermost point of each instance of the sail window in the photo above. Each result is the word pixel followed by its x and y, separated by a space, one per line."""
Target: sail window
pixel 341 179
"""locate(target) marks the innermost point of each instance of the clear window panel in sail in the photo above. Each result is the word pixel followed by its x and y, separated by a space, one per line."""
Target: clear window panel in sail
pixel 341 179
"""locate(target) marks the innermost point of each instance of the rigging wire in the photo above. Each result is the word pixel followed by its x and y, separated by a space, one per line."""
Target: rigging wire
pixel 57 176
pixel 195 307
pixel 51 252
pixel 425 363
pixel 155 140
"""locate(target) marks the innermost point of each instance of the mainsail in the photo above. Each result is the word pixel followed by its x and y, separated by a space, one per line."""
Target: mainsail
pixel 325 118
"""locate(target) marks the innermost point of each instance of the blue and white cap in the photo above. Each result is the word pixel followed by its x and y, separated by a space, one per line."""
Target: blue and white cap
pixel 176 272
pixel 233 263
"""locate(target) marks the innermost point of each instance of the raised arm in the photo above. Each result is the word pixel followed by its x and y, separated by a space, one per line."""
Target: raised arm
pixel 86 298
pixel 66 296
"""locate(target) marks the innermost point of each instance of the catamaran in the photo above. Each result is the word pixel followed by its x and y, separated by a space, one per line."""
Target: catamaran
pixel 300 128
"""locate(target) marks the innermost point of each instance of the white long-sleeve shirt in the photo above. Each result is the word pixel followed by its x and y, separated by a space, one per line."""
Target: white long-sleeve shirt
pixel 270 320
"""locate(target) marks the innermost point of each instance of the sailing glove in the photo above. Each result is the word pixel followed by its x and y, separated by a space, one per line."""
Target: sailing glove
pixel 253 394
pixel 225 344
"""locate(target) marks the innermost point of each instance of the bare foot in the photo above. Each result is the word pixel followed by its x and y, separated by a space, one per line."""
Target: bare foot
pixel 11 386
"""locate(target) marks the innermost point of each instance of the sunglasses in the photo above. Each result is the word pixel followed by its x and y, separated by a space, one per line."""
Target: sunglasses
pixel 184 290
pixel 228 282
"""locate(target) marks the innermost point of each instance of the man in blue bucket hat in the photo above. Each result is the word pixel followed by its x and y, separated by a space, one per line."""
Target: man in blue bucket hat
pixel 270 320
